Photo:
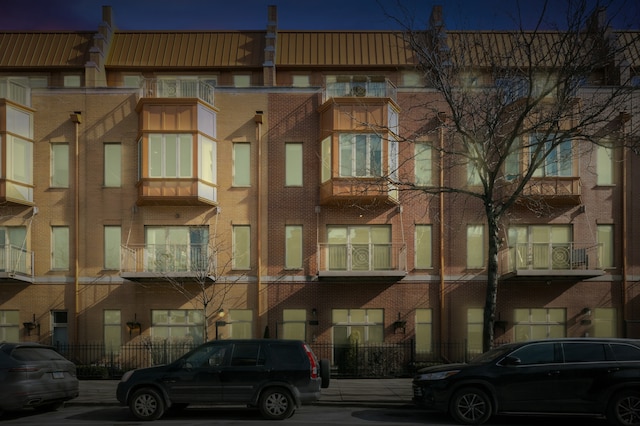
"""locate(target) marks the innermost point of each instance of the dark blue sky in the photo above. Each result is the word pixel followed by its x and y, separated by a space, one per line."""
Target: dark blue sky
pixel 292 14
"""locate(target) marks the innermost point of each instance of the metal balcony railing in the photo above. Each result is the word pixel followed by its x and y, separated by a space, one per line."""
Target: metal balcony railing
pixel 362 258
pixel 557 257
pixel 170 259
pixel 15 91
pixel 16 262
pixel 360 89
pixel 177 88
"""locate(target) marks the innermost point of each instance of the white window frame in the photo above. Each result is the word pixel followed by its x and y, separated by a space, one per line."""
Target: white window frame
pixel 358 155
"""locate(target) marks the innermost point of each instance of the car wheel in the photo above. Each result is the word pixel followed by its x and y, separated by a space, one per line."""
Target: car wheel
pixel 146 404
pixel 276 404
pixel 624 408
pixel 325 373
pixel 470 406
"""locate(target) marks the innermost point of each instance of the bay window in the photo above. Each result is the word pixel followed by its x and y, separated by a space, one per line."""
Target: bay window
pixel 360 155
pixel 170 155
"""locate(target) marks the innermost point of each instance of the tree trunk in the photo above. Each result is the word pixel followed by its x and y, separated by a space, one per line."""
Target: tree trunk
pixel 492 279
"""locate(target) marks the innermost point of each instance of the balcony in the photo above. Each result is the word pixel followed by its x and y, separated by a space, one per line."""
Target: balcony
pixel 358 190
pixel 153 262
pixel 16 90
pixel 177 88
pixel 555 190
pixel 551 261
pixel 360 89
pixel 176 192
pixel 366 261
pixel 16 264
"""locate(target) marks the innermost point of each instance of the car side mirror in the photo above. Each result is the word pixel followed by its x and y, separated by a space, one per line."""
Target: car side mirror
pixel 511 360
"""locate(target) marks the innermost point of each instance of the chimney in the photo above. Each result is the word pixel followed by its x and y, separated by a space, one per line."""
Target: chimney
pixel 269 65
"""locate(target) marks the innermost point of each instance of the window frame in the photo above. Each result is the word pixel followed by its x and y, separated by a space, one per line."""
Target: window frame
pixel 353 163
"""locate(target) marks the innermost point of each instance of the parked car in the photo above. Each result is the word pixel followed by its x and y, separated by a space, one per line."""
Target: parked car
pixel 599 377
pixel 35 376
pixel 276 376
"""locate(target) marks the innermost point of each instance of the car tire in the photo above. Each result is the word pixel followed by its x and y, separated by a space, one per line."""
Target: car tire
pixel 146 404
pixel 624 408
pixel 470 406
pixel 276 404
pixel 325 373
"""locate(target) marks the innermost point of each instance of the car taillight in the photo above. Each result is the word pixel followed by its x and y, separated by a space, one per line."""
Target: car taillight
pixel 312 362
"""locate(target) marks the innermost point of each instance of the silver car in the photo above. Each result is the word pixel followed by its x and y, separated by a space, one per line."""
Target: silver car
pixel 35 376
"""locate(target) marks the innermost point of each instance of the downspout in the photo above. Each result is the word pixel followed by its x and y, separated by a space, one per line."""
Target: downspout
pixel 441 226
pixel 624 234
pixel 76 118
pixel 258 120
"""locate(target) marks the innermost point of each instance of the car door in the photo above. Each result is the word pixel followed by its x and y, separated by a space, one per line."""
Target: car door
pixel 526 379
pixel 196 377
pixel 244 373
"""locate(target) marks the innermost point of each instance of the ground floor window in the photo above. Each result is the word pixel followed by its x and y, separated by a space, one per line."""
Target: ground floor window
pixel 240 323
pixel 605 322
pixel 539 323
pixel 424 332
pixel 10 326
pixel 112 330
pixel 351 326
pixel 177 325
pixel 475 324
pixel 294 324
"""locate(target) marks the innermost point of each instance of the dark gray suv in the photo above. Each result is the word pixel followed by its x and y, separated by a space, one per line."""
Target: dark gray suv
pixel 276 376
pixel 587 376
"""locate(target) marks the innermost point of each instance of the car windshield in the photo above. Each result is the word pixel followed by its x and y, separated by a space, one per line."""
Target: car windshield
pixel 491 354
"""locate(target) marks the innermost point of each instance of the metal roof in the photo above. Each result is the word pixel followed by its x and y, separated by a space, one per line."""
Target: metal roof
pixel 44 49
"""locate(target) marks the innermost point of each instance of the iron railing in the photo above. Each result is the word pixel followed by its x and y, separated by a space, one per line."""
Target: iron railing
pixel 166 258
pixel 177 88
pixel 360 89
pixel 99 360
pixel 552 256
pixel 16 261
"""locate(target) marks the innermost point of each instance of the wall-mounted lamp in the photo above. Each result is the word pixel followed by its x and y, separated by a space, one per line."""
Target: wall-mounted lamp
pixel 586 311
pixel 314 316
pixel 400 325
pixel 31 325
pixel 134 325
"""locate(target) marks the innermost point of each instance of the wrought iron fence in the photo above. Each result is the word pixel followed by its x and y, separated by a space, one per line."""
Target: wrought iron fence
pixel 100 361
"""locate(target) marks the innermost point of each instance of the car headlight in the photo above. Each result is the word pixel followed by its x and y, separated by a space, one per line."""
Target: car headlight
pixel 126 375
pixel 440 375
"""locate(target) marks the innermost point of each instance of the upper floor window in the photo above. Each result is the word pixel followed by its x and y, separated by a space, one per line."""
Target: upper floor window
pixel 360 155
pixel 170 155
pixel 60 165
pixel 423 242
pixel 559 160
pixel 176 248
pixel 177 325
pixel 293 164
pixel 241 164
pixel 60 247
pixel 605 241
pixel 112 242
pixel 412 79
pixel 475 246
pixel 293 246
pixel 242 80
pixel 72 81
pixel 301 80
pixel 423 164
pixel 112 164
pixel 131 80
pixel 605 164
pixel 241 246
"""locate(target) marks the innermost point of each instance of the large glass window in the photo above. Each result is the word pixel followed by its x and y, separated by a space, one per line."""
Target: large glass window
pixel 543 247
pixel 208 160
pixel 241 247
pixel 559 161
pixel 475 324
pixel 605 165
pixel 177 248
pixel 294 324
pixel 170 155
pixel 178 325
pixel 60 247
pixel 605 241
pixel 351 326
pixel 423 250
pixel 359 248
pixel 325 170
pixel 9 326
pixel 60 165
pixel 605 322
pixel 112 242
pixel 241 164
pixel 423 165
pixel 293 246
pixel 539 323
pixel 20 156
pixel 241 323
pixel 475 246
pixel 360 155
pixel 112 330
pixel 424 332
pixel 112 165
pixel 293 164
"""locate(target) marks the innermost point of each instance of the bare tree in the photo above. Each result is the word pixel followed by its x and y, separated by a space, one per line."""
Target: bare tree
pixel 507 105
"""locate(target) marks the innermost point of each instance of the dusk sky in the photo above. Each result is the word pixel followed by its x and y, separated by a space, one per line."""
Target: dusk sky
pixel 51 15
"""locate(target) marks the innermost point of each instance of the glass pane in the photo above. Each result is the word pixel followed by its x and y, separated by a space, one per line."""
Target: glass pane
pixel 376 334
pixel 605 248
pixel 423 247
pixel 521 315
pixel 294 331
pixel 605 165
pixel 475 315
pixel 358 316
pixel 241 247
pixel 375 316
pixel 340 316
pixel 160 317
pixel 241 164
pixel 112 241
pixel 112 165
pixel 293 164
pixel 376 156
pixel 294 315
pixel 112 316
pixel 155 156
pixel 361 156
pixel 60 165
pixel 423 338
pixel 241 314
pixel 207 160
pixel 475 251
pixel 538 315
pixel 60 247
pixel 346 155
pixel 186 160
pixel 422 164
pixel 557 315
pixel 171 156
pixel 326 159
pixel 293 246
pixel 423 315
pixel 21 156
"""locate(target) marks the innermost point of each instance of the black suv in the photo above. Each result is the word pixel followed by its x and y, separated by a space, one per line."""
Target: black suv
pixel 569 376
pixel 276 376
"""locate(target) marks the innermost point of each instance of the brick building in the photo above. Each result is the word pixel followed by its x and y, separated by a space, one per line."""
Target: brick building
pixel 141 170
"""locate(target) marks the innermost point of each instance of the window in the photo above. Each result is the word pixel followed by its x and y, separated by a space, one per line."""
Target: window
pixel 177 325
pixel 475 246
pixel 475 324
pixel 423 164
pixel 293 164
pixel 424 331
pixel 512 162
pixel 605 322
pixel 112 165
pixel 71 81
pixel 559 160
pixel 584 352
pixel 60 165
pixel 511 89
pixel 423 242
pixel 294 324
pixel 605 165
pixel 360 155
pixel 241 164
pixel 543 247
pixel 359 248
pixel 9 326
pixel 60 328
pixel 170 155
pixel 605 246
pixel 325 171
pixel 539 323
pixel 20 159
pixel 177 249
pixel 241 323
pixel 13 240
pixel 60 247
pixel 241 247
pixel 242 80
pixel 411 79
pixel 301 81
pixel 19 122
pixel 351 326
pixel 293 247
pixel 112 241
pixel 208 160
pixel 131 80
pixel 537 353
pixel 112 331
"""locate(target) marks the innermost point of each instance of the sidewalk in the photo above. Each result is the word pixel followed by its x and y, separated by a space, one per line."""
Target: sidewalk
pixel 348 392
